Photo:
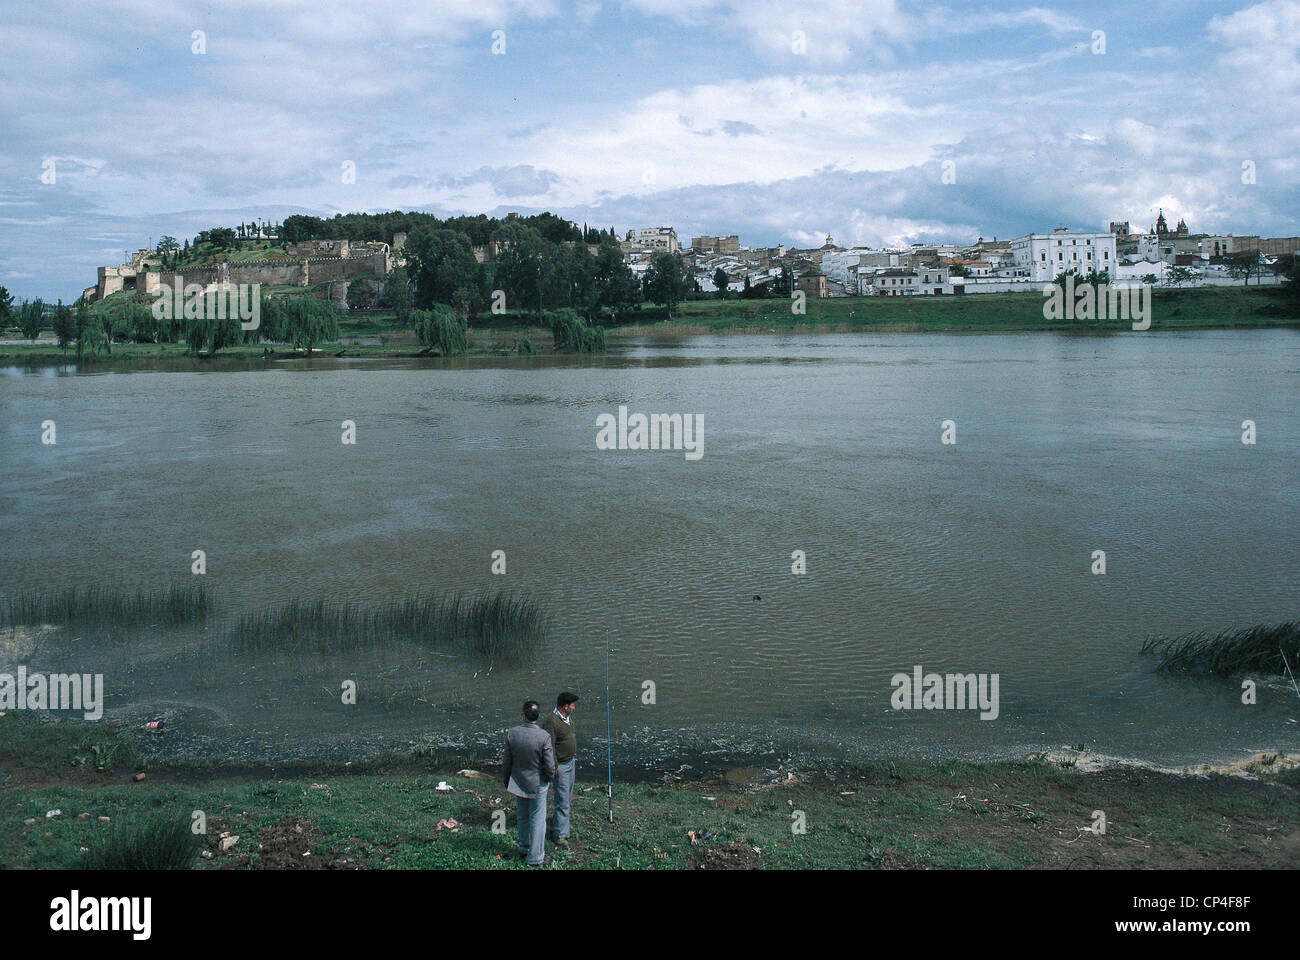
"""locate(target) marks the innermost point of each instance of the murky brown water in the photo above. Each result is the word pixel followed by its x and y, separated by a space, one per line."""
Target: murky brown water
pixel 973 558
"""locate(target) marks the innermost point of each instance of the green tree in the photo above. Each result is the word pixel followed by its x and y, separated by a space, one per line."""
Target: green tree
pixel 65 325
pixel 31 317
pixel 613 285
pixel 1177 276
pixel 1150 279
pixel 272 323
pixel 1288 268
pixel 784 285
pixel 668 280
pixel 168 245
pixel 309 321
pixel 361 295
pixel 300 227
pixel 720 281
pixel 141 325
pixel 440 330
pixel 398 294
pixel 1245 264
pixel 208 334
pixel 524 266
pixel 91 338
pixel 6 308
pixel 1063 277
pixel 442 265
pixel 570 331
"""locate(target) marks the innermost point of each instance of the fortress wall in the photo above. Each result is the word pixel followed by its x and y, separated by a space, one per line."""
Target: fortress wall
pixel 269 273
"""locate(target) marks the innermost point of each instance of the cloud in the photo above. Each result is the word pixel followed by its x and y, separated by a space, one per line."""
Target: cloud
pixel 700 114
pixel 1263 46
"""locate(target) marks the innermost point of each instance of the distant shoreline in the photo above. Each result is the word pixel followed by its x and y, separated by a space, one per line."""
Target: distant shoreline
pixel 1196 308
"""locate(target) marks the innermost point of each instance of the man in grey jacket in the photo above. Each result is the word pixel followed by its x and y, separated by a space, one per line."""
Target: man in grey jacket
pixel 530 763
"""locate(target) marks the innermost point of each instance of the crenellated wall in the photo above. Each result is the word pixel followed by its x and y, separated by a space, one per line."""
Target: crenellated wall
pixel 271 272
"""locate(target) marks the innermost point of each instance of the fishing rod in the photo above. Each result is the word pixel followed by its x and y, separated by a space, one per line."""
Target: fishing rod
pixel 1288 670
pixel 609 746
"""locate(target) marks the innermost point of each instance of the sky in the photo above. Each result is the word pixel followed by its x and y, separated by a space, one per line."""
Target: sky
pixel 876 122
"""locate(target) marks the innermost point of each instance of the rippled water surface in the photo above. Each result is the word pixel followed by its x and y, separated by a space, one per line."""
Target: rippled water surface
pixel 970 558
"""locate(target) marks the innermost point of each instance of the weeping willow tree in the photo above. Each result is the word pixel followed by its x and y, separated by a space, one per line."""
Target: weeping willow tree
pixel 208 334
pixel 570 331
pixel 439 329
pixel 309 322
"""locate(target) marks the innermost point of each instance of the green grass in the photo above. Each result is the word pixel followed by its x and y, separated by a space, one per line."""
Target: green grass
pixel 1172 309
pixel 158 841
pixel 950 814
pixel 1191 308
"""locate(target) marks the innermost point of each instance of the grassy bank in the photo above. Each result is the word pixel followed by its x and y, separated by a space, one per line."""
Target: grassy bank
pixel 1172 309
pixel 1200 308
pixel 386 814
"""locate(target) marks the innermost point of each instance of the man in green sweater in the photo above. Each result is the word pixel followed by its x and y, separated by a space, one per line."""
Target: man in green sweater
pixel 559 724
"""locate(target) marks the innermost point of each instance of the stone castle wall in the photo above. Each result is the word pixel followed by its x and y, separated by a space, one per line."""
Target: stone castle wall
pixel 283 272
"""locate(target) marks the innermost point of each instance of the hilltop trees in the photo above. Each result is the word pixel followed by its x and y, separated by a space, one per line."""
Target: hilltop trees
pixel 300 227
pixel 219 238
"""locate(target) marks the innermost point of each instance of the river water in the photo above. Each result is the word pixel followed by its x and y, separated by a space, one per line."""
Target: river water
pixel 973 557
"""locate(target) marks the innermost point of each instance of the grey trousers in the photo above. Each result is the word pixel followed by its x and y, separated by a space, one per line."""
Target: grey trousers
pixel 563 784
pixel 531 816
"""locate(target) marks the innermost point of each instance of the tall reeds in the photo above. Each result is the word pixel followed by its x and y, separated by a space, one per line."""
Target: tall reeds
pixel 177 604
pixel 1230 652
pixel 496 628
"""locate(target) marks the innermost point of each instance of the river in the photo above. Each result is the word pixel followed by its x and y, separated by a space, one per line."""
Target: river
pixel 972 557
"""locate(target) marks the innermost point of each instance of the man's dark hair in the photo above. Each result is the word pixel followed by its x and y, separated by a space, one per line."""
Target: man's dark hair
pixel 566 697
pixel 531 711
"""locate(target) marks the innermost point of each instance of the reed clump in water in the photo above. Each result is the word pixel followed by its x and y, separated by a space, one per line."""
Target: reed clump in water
pixel 96 606
pixel 1257 648
pixel 496 628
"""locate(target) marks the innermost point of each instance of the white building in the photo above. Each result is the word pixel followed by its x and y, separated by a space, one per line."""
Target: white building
pixel 894 282
pixel 1126 274
pixel 1041 257
pixel 659 238
pixel 841 266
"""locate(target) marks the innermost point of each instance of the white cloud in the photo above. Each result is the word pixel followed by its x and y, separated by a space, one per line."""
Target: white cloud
pixel 1263 46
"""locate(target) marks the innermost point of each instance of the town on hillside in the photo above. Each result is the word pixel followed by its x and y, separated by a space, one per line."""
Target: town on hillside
pixel 302 252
